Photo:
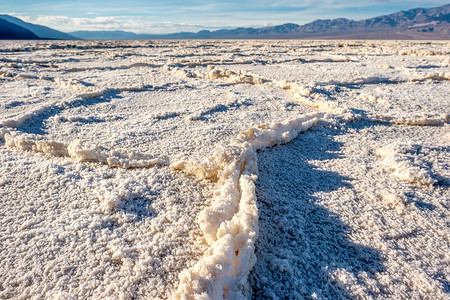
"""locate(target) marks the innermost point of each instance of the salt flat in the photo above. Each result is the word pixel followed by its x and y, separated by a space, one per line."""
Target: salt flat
pixel 224 169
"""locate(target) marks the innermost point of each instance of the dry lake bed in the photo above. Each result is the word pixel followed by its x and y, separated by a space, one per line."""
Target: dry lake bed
pixel 224 169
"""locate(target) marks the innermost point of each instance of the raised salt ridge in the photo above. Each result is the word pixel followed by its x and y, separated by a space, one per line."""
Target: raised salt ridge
pixel 224 169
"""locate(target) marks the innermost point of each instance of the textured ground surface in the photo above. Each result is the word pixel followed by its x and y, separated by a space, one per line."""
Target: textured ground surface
pixel 241 169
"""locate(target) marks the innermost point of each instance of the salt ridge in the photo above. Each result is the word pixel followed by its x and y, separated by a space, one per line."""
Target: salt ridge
pixel 230 224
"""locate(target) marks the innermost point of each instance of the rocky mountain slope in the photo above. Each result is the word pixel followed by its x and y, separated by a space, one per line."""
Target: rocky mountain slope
pixel 10 31
pixel 41 31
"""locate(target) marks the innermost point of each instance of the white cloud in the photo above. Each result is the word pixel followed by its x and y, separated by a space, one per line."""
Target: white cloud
pixel 138 24
pixel 175 15
pixel 53 20
pixel 21 16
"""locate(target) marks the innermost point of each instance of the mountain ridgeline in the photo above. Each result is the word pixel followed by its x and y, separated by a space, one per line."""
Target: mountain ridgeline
pixel 12 31
pixel 418 23
pixel 39 31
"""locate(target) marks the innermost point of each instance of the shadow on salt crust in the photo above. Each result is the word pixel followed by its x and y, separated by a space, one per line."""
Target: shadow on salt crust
pixel 56 242
pixel 36 125
pixel 302 245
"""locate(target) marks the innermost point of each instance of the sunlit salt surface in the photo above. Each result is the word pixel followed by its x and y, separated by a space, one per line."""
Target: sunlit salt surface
pixel 224 169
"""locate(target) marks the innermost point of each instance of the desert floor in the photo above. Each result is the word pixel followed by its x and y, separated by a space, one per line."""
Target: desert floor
pixel 224 169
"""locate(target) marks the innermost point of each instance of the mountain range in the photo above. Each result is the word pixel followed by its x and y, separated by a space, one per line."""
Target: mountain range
pixel 418 23
pixel 40 31
pixel 12 31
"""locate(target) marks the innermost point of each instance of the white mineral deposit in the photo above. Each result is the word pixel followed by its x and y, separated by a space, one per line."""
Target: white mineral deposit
pixel 224 169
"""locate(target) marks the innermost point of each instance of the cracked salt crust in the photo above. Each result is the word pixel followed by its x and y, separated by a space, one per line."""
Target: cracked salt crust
pixel 356 206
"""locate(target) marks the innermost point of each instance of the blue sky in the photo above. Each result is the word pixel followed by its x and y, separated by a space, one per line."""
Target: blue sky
pixel 176 15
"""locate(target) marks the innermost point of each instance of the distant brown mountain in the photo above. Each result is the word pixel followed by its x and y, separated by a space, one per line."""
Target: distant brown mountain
pixel 418 23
